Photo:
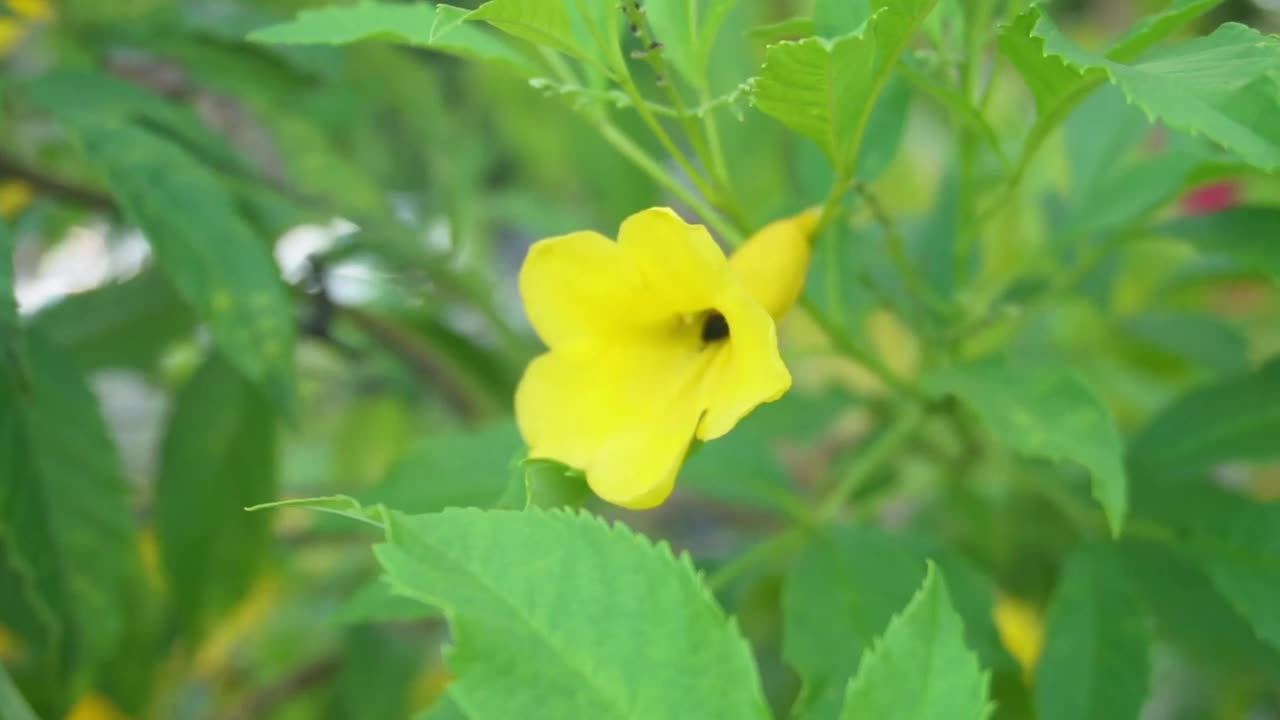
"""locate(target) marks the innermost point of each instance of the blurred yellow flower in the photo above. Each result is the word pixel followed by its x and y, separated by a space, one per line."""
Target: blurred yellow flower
pixel 14 24
pixel 14 194
pixel 655 340
pixel 891 340
pixel 95 707
pixel 1021 630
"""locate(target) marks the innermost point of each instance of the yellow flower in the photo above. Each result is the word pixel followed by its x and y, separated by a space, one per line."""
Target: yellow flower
pixel 95 707
pixel 655 340
pixel 14 196
pixel 13 26
pixel 1021 631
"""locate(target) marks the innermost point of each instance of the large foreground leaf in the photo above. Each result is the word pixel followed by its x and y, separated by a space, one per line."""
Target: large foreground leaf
pixel 560 616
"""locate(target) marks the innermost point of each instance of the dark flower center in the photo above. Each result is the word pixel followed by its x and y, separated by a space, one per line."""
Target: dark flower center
pixel 714 327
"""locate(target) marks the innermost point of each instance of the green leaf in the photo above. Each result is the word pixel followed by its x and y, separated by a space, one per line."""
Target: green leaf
pixel 1154 28
pixel 12 705
pixel 218 458
pixel 1190 611
pixel 1238 545
pixel 10 333
pixel 1246 234
pixel 421 24
pixel 1236 419
pixel 207 250
pixel 1045 412
pixel 1095 664
pixel 1216 86
pixel 687 30
pixel 826 90
pixel 121 325
pixel 65 519
pixel 796 28
pixel 837 598
pixel 586 30
pixel 549 484
pixel 832 18
pixel 1054 84
pixel 921 667
pixel 558 615
pixel 451 469
pixel 375 602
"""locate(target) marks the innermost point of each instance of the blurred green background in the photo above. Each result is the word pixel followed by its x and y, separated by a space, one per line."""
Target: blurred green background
pixel 398 189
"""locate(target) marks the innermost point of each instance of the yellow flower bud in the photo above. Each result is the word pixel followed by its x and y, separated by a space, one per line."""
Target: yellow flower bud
pixel 774 263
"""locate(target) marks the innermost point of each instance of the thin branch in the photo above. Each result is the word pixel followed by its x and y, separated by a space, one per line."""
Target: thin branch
pixel 47 184
pixel 314 674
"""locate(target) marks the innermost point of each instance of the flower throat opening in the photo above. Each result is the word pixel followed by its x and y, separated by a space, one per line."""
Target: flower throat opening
pixel 714 327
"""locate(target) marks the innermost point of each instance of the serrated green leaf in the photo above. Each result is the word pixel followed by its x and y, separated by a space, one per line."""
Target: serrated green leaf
pixel 687 30
pixel 1053 83
pixel 1231 420
pixel 207 250
pixel 826 90
pixel 451 469
pixel 420 24
pixel 218 457
pixel 818 88
pixel 558 615
pixel 796 28
pixel 1247 234
pixel 1216 86
pixel 1045 412
pixel 837 598
pixel 120 325
pixel 1154 28
pixel 586 30
pixel 1095 664
pixel 65 519
pixel 920 668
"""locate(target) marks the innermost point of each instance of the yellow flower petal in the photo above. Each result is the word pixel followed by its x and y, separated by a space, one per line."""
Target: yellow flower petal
pixel 595 407
pixel 653 340
pixel 773 263
pixel 581 286
pixel 682 266
pixel 751 371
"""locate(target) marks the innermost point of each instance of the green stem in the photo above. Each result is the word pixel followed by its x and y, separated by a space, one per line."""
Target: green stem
pixel 761 552
pixel 881 450
pixel 898 253
pixel 628 149
pixel 846 346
